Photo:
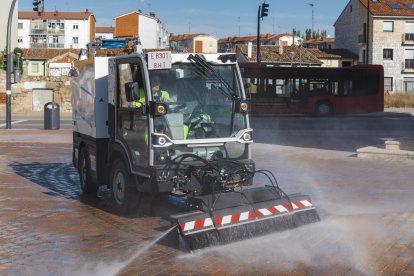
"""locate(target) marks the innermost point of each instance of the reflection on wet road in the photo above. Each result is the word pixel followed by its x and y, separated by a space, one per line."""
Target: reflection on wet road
pixel 48 228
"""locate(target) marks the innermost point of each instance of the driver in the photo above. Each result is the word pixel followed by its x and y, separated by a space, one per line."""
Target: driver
pixel 158 95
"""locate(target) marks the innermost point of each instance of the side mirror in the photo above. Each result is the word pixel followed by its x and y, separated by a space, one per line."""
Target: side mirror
pixel 132 91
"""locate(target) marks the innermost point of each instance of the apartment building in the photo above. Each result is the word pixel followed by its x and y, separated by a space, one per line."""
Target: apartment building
pixel 55 30
pixel 381 32
pixel 319 43
pixel 4 16
pixel 194 43
pixel 147 27
pixel 105 32
pixel 229 44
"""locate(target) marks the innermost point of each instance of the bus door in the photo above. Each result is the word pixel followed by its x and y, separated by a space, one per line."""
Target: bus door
pixel 300 92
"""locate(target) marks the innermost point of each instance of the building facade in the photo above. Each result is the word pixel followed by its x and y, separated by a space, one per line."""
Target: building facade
pixel 320 43
pixel 147 27
pixel 55 30
pixel 229 44
pixel 105 32
pixel 193 43
pixel 4 16
pixel 381 32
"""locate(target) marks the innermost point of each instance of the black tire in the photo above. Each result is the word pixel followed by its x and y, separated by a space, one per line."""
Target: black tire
pixel 87 186
pixel 323 108
pixel 124 195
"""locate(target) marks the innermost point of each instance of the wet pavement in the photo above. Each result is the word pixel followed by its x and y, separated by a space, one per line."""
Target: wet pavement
pixel 48 228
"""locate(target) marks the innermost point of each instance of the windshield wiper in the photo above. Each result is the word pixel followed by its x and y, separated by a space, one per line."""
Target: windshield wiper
pixel 205 69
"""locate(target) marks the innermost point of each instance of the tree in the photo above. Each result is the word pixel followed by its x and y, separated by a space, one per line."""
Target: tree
pixel 18 57
pixel 308 34
pixel 296 32
pixel 324 34
pixel 2 53
pixel 315 34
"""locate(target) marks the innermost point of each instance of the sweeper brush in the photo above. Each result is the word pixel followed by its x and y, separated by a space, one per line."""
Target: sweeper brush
pixel 242 211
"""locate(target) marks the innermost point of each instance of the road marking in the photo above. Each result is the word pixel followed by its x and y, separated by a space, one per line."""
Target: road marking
pixel 13 123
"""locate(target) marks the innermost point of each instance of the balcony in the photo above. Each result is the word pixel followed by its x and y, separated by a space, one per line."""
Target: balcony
pixel 38 28
pixel 38 31
pixel 56 31
pixel 408 39
pixel 56 46
pixel 35 45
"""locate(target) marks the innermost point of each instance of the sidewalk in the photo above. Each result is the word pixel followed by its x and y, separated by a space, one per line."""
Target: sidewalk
pixel 36 136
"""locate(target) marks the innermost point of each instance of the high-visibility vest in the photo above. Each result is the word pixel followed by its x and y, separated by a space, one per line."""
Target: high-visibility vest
pixel 165 97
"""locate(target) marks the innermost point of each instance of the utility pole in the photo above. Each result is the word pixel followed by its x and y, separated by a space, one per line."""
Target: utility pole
pixel 238 19
pixel 312 5
pixel 9 66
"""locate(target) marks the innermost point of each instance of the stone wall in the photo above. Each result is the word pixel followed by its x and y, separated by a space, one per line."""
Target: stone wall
pixel 22 93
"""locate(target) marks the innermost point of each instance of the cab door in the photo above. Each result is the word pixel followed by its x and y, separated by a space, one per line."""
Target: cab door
pixel 131 114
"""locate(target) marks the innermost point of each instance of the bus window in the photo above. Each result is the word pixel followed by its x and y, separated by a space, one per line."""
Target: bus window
pixel 335 88
pixel 318 87
pixel 280 87
pixel 301 87
pixel 347 88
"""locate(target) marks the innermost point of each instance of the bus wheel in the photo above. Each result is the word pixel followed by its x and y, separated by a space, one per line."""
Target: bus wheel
pixel 122 189
pixel 323 108
pixel 88 187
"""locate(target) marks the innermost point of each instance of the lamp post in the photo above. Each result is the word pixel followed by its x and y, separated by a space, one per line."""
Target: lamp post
pixel 8 69
pixel 292 56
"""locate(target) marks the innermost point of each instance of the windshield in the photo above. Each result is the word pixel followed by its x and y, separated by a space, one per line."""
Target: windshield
pixel 200 104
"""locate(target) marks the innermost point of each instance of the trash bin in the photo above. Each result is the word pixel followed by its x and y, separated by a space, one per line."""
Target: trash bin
pixel 51 116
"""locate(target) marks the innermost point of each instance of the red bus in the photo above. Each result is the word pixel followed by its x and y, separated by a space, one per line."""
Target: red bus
pixel 318 90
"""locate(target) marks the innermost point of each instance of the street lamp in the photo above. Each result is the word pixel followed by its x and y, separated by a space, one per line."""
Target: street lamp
pixel 292 56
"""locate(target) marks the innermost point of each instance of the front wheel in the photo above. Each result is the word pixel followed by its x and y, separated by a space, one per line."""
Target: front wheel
pixel 323 108
pixel 123 193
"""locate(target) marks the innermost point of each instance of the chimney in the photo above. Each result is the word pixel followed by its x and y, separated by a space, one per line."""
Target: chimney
pixel 152 14
pixel 280 50
pixel 249 49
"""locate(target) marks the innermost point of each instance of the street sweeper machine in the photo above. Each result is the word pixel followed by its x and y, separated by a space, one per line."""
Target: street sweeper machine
pixel 177 123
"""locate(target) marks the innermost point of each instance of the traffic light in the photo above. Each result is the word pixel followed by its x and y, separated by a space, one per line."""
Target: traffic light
pixel 6 61
pixel 38 5
pixel 265 10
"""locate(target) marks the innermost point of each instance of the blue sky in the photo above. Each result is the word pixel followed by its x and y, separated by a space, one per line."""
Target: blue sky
pixel 220 18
